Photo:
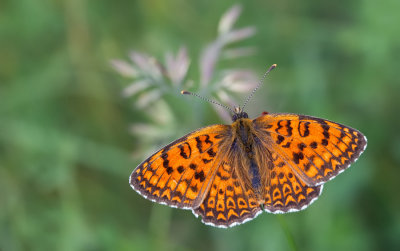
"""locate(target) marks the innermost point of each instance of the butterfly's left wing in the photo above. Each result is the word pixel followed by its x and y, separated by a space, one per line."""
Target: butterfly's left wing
pixel 180 174
pixel 316 150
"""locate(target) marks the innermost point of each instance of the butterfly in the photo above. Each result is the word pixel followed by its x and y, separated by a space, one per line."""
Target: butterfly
pixel 229 174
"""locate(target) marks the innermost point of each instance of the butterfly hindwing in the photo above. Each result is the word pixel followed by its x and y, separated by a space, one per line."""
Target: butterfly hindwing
pixel 227 203
pixel 179 174
pixel 316 149
pixel 285 191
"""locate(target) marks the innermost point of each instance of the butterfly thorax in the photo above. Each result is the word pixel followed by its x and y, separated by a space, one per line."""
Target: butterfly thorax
pixel 242 129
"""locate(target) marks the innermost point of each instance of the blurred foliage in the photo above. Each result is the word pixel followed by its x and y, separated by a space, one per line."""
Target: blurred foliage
pixel 66 151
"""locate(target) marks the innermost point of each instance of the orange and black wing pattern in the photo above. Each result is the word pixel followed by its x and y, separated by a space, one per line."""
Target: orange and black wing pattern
pixel 306 152
pixel 180 174
pixel 282 170
pixel 316 149
pixel 285 191
pixel 228 202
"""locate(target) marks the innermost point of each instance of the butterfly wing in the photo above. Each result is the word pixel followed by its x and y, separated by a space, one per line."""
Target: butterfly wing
pixel 315 149
pixel 179 174
pixel 285 191
pixel 228 202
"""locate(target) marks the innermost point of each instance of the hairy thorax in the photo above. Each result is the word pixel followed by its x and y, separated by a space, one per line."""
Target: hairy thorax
pixel 242 131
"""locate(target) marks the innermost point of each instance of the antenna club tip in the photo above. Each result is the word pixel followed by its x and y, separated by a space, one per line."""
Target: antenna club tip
pixel 273 66
pixel 185 92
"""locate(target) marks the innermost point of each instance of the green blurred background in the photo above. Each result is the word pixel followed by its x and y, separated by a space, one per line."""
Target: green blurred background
pixel 66 151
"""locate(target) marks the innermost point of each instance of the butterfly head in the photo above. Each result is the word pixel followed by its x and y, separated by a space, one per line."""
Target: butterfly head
pixel 238 114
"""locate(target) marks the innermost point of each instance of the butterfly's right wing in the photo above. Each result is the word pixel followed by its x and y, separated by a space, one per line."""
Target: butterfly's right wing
pixel 305 153
pixel 180 174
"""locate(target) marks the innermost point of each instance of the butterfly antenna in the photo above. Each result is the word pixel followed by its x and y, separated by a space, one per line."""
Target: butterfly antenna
pixel 206 99
pixel 258 86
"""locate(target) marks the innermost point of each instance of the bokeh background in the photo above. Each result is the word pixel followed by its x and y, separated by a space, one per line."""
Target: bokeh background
pixel 72 127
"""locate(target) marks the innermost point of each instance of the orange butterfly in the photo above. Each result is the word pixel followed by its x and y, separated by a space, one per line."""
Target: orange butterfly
pixel 229 174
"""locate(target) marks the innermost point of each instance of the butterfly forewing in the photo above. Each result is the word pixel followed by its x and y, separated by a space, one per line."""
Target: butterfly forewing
pixel 316 149
pixel 180 173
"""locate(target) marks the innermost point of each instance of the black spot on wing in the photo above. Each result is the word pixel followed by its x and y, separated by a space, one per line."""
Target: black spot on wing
pixel 313 145
pixel 297 157
pixel 325 127
pixel 307 166
pixel 279 126
pixel 305 125
pixel 199 176
pixel 206 161
pixel 199 144
pixel 186 150
pixel 169 170
pixel 180 169
pixel 211 152
pixel 301 146
pixel 289 128
pixel 280 139
pixel 165 163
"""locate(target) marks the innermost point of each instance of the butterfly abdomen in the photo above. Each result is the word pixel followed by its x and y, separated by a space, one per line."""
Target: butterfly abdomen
pixel 256 179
